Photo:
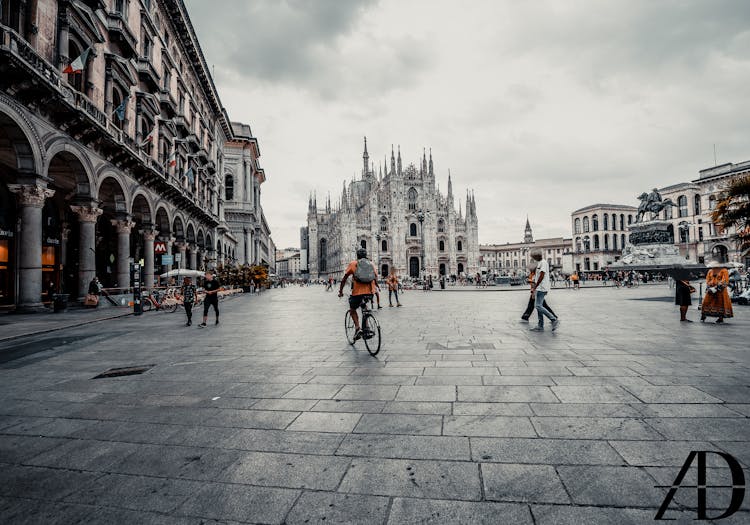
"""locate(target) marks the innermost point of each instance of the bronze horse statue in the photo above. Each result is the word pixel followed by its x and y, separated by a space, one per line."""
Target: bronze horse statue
pixel 652 203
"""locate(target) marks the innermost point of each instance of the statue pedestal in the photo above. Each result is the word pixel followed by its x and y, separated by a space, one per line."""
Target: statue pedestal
pixel 651 247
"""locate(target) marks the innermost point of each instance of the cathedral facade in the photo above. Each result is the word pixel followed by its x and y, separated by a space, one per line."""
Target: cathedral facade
pixel 403 220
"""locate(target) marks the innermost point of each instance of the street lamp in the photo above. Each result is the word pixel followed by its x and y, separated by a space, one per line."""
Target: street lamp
pixel 684 228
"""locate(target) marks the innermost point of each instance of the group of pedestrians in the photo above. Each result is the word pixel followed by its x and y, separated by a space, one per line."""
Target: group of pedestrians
pixel 539 279
pixel 211 287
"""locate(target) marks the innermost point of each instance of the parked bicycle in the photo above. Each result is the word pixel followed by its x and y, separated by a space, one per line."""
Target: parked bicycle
pixel 370 328
pixel 166 302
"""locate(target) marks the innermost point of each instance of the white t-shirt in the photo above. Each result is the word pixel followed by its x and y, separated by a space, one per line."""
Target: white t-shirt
pixel 542 266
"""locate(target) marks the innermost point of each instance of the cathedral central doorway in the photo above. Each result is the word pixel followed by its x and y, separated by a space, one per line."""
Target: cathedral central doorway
pixel 414 267
pixel 384 270
pixel 442 268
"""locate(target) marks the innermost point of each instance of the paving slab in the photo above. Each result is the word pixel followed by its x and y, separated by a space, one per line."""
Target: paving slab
pixel 448 512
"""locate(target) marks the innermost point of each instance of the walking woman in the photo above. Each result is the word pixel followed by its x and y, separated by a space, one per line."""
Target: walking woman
pixel 188 299
pixel 393 284
pixel 682 298
pixel 716 302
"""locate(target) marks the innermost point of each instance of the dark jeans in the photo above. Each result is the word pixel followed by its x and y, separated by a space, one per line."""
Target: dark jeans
pixel 188 311
pixel 530 309
pixel 394 292
pixel 211 300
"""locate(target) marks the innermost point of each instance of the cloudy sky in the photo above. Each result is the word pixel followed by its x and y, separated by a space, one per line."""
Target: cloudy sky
pixel 541 107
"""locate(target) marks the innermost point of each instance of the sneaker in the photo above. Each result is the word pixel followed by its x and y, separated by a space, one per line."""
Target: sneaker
pixel 685 321
pixel 390 305
pixel 399 304
pixel 555 324
pixel 537 329
pixel 524 320
pixel 187 324
pixel 202 325
pixel 217 322
pixel 358 335
pixel 379 307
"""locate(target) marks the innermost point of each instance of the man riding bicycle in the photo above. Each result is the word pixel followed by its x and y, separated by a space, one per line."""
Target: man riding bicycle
pixel 364 279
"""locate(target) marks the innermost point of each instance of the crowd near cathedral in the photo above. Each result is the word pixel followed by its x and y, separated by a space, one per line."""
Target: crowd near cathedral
pixel 400 217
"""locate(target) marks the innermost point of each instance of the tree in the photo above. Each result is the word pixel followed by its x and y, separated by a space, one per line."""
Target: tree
pixel 733 208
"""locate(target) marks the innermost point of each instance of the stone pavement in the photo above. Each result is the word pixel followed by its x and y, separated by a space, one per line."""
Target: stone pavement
pixel 464 417
pixel 14 326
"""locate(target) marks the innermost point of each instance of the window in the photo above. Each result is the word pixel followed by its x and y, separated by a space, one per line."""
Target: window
pixel 116 102
pixel 459 246
pixel 596 242
pixel 586 228
pixel 622 241
pixel 577 226
pixel 363 244
pixel 684 232
pixel 148 46
pixel 322 255
pixel 384 246
pixel 668 212
pixel 622 221
pixel 412 198
pixel 682 204
pixel 441 246
pixel 121 6
pixel 614 242
pixel 630 219
pixel 413 229
pixel 441 226
pixel 595 222
pixel 77 80
pixel 711 202
pixel 614 221
pixel 697 205
pixel 606 222
pixel 383 224
pixel 229 187
pixel 587 244
pixel 700 233
pixel 606 242
pixel 11 14
pixel 167 79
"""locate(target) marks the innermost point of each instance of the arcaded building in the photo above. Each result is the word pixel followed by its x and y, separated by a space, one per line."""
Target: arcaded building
pixel 111 139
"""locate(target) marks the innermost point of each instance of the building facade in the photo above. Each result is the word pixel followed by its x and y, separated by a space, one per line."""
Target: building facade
pixel 600 232
pixel 695 233
pixel 513 259
pixel 288 263
pixel 243 211
pixel 111 140
pixel 400 217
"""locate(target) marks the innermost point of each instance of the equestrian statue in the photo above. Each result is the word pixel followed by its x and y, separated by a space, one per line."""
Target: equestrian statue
pixel 653 203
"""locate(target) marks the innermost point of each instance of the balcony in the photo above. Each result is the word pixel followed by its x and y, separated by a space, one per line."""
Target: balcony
pixel 147 72
pixel 181 124
pixel 120 33
pixel 167 102
pixel 202 155
pixel 192 140
pixel 211 166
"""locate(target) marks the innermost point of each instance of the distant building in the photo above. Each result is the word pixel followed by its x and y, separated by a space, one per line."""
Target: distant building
pixel 400 217
pixel 599 235
pixel 513 259
pixel 288 267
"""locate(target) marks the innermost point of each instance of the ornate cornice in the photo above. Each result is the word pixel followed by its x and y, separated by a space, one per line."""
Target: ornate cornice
pixel 87 213
pixel 150 235
pixel 123 226
pixel 31 195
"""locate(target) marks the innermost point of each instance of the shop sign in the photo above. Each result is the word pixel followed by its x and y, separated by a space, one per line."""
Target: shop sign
pixel 166 259
pixel 160 247
pixel 6 233
pixel 50 240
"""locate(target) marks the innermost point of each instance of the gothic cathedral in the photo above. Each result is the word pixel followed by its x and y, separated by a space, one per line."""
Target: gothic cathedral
pixel 401 218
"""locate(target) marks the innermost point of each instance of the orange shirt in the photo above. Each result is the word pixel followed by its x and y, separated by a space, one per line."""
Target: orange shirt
pixel 360 288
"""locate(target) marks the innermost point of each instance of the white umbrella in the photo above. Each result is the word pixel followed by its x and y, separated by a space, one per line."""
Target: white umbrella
pixel 182 273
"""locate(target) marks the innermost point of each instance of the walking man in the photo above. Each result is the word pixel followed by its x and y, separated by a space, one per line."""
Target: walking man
pixel 188 299
pixel 539 289
pixel 212 287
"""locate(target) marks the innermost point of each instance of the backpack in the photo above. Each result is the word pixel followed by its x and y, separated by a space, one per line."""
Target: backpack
pixel 365 273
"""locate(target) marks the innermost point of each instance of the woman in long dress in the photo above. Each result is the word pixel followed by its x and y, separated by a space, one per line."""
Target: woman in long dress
pixel 716 302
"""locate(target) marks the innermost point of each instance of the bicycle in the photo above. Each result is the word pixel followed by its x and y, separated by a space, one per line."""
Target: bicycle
pixel 167 303
pixel 370 328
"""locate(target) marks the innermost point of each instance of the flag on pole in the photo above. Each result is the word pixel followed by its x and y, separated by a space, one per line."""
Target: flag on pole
pixel 190 176
pixel 149 138
pixel 172 160
pixel 120 110
pixel 79 64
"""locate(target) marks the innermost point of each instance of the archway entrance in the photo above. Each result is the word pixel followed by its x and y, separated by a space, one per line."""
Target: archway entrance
pixel 721 253
pixel 414 267
pixel 460 268
pixel 8 219
pixel 384 270
pixel 442 268
pixel 112 200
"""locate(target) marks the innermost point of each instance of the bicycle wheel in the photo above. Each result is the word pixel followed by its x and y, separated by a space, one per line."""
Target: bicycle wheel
pixel 371 333
pixel 146 305
pixel 172 306
pixel 349 327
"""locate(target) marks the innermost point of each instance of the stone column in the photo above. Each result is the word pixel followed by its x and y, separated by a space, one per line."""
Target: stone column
pixel 87 215
pixel 31 201
pixel 182 248
pixel 193 257
pixel 148 256
pixel 123 227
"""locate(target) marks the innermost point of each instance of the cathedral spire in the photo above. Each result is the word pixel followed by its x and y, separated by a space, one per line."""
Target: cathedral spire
pixel 399 160
pixel 393 162
pixel 528 237
pixel 424 163
pixel 365 161
pixel 450 186
pixel 431 172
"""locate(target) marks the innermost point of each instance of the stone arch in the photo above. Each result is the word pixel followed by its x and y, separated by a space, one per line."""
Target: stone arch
pixel 141 207
pixel 201 239
pixel 162 221
pixel 22 136
pixel 190 233
pixel 112 194
pixel 178 227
